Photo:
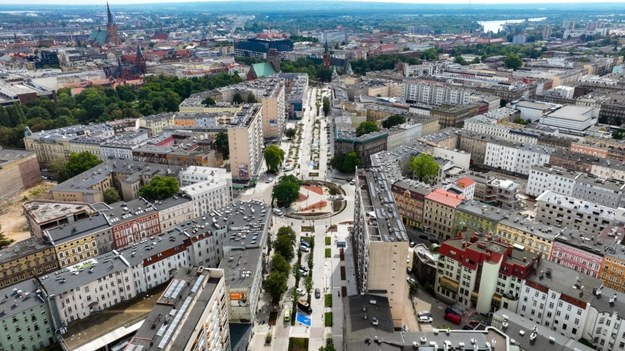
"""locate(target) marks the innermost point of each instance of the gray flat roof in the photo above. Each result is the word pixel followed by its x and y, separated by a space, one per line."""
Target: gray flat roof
pixel 13 303
pixel 155 333
pixel 70 231
pixel 562 280
pixel 44 211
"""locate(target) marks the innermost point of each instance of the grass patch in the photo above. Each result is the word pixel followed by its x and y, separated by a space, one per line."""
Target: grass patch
pixel 328 300
pixel 328 319
pixel 298 344
pixel 328 240
pixel 328 253
pixel 308 228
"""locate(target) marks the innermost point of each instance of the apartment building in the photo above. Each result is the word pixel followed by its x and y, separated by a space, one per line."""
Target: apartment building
pixel 380 241
pixel 439 211
pixel 127 176
pixel 195 174
pixel 473 216
pixel 474 144
pixel 482 274
pixel 364 145
pixel 515 158
pixel 155 124
pixel 77 241
pixel 173 211
pixel 132 221
pixel 435 92
pixel 24 318
pixel 613 265
pixel 584 254
pixel 409 198
pixel 270 92
pixel 41 215
pixel 495 191
pixel 195 302
pixel 562 211
pixel 245 141
pixel 208 195
pixel 26 259
pixel 558 298
pixel 543 177
pixel 532 236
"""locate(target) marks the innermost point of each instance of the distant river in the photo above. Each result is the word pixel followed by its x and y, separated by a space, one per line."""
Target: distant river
pixel 496 26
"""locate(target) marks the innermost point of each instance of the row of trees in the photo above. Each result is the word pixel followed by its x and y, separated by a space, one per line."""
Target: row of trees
pixel 276 282
pixel 346 163
pixel 100 104
pixel 381 62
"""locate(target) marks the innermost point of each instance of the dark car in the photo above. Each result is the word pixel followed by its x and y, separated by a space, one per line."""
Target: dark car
pixel 304 308
pixel 424 237
pixel 467 327
pixel 317 293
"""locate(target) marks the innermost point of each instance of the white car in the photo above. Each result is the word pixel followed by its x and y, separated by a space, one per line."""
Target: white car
pixel 425 319
pixel 269 180
pixel 300 292
pixel 304 248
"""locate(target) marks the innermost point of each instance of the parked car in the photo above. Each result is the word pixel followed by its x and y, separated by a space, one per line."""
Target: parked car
pixel 454 318
pixel 448 309
pixel 300 292
pixel 304 248
pixel 411 280
pixel 375 322
pixel 269 180
pixel 317 293
pixel 425 319
pixel 425 313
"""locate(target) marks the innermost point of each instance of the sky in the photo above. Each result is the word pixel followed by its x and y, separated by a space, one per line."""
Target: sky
pixel 114 2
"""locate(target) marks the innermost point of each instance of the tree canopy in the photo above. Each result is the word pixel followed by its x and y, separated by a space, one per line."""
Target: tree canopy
pixel 221 144
pixel 209 101
pixel 159 188
pixel 76 164
pixel 4 241
pixel 290 133
pixel 274 156
pixel 346 163
pixel 276 284
pixel 513 61
pixel 280 264
pixel 286 191
pixel 366 127
pixel 111 195
pixel 424 168
pixel 101 104
pixel 326 106
pixel 381 62
pixel 393 121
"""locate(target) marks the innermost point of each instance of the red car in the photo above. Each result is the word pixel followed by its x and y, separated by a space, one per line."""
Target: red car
pixel 454 318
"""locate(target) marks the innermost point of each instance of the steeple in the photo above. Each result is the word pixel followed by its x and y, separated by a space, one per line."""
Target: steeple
pixel 139 54
pixel 325 47
pixel 109 15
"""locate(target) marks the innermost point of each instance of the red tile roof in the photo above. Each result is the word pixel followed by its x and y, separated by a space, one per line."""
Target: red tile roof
pixel 465 182
pixel 445 197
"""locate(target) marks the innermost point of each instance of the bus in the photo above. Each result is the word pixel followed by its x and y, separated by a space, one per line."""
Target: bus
pixel 287 315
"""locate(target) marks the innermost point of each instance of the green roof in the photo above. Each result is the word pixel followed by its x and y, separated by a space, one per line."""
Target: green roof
pixel 98 36
pixel 263 69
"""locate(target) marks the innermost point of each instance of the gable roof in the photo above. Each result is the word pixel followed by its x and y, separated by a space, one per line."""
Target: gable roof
pixel 263 69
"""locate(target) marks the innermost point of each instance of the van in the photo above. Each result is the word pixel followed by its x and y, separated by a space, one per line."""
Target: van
pixel 287 315
pixel 454 318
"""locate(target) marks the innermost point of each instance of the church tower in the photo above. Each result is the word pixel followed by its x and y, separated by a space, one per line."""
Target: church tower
pixel 111 28
pixel 326 55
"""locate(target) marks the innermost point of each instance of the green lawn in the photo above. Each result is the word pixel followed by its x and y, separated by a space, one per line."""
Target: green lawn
pixel 328 319
pixel 298 344
pixel 328 253
pixel 328 240
pixel 328 300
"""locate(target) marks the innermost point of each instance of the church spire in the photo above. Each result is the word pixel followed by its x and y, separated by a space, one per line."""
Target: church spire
pixel 109 14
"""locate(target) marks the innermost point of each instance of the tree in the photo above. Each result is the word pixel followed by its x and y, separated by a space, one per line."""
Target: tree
pixel 251 99
pixel 308 282
pixel 280 264
pixel 346 163
pixel 286 191
pixel 274 156
pixel 275 285
pixel 159 188
pixel 366 127
pixel 326 106
pixel 459 59
pixel 424 168
pixel 237 98
pixel 77 163
pixel 209 101
pixel 289 232
pixel 4 241
pixel 513 61
pixel 393 121
pixel 290 133
pixel 111 195
pixel 284 247
pixel 221 144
